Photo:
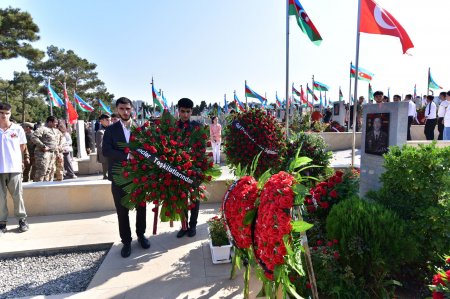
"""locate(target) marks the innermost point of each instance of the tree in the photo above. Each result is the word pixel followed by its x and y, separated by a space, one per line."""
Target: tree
pixel 27 87
pixel 16 28
pixel 78 73
pixel 202 106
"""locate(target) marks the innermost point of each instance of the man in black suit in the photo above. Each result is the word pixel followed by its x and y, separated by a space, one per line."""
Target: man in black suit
pixel 115 133
pixel 185 106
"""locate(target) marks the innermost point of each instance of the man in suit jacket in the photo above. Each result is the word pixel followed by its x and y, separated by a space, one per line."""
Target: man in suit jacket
pixel 120 132
pixel 376 140
pixel 105 121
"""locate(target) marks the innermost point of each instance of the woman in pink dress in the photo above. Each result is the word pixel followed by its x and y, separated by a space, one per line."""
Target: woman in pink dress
pixel 215 131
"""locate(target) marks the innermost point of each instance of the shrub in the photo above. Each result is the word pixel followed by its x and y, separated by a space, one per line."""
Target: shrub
pixel 416 186
pixel 372 241
pixel 218 231
pixel 312 146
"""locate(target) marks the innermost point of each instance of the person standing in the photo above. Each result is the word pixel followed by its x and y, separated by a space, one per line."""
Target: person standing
pixel 88 138
pixel 67 150
pixel 215 132
pixel 446 134
pixel 105 121
pixel 120 132
pixel 412 114
pixel 378 96
pixel 185 107
pixel 441 112
pixel 47 140
pixel 430 116
pixel 12 144
pixel 28 172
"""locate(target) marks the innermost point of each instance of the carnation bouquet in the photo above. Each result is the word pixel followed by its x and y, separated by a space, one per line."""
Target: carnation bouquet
pixel 168 165
pixel 250 133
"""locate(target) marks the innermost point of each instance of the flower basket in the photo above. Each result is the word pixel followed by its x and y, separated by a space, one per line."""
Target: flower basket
pixel 219 243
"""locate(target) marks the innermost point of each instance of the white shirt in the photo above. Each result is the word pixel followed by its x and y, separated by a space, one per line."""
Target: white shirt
pixel 126 131
pixel 430 111
pixel 442 107
pixel 412 109
pixel 447 118
pixel 10 153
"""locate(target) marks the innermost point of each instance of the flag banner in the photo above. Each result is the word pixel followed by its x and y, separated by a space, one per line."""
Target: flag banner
pixel 432 84
pixel 320 86
pixel 166 106
pixel 295 91
pixel 278 102
pixel 55 100
pixel 341 96
pixel 104 107
pixel 84 106
pixel 72 115
pixel 312 93
pixel 362 74
pixel 251 94
pixel 219 110
pixel 156 98
pixel 376 20
pixel 415 91
pixel 303 96
pixel 239 104
pixel 225 107
pixel 304 22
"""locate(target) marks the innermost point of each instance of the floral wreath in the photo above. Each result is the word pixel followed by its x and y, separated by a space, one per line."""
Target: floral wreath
pixel 168 166
pixel 250 133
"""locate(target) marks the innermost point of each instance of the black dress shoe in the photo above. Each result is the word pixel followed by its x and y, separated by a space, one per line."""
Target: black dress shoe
pixel 145 243
pixel 181 233
pixel 126 250
pixel 192 231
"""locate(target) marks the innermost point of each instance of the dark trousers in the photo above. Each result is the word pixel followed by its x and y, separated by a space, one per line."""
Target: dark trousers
pixel 440 124
pixel 124 220
pixel 430 125
pixel 194 214
pixel 410 121
pixel 105 170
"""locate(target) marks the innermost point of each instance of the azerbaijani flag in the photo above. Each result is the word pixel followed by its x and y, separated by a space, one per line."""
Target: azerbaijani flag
pixel 104 107
pixel 54 98
pixel 431 83
pixel 320 86
pixel 362 74
pixel 84 106
pixel 239 104
pixel 156 98
pixel 304 22
pixel 278 102
pixel 295 91
pixel 251 94
pixel 415 91
pixel 225 107
pixel 311 93
pixel 370 92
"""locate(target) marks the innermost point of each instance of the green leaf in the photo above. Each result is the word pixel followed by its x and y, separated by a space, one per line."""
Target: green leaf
pixel 249 216
pixel 263 179
pixel 292 290
pixel 299 162
pixel 300 226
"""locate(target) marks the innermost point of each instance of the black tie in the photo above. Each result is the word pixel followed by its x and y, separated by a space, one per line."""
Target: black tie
pixel 429 108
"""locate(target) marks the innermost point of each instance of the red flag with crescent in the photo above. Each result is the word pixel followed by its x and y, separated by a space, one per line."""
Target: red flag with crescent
pixel 376 20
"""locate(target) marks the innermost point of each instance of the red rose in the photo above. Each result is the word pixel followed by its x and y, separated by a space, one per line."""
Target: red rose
pixel 339 173
pixel 338 179
pixel 319 242
pixel 136 181
pixel 330 244
pixel 335 241
pixel 142 204
pixel 333 194
pixel 124 163
pixel 157 122
pixel 125 174
pixel 132 138
pixel 336 255
pixel 324 205
pixel 437 279
pixel 144 179
pixel 126 150
pixel 438 295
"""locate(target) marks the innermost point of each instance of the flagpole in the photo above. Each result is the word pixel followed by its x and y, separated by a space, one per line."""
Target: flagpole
pixel 312 89
pixel 356 83
pixel 65 103
pixel 287 69
pixel 428 83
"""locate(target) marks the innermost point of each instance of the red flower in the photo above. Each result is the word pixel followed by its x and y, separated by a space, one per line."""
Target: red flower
pixel 324 205
pixel 335 241
pixel 339 173
pixel 336 255
pixel 125 174
pixel 438 295
pixel 126 150
pixel 333 194
pixel 437 279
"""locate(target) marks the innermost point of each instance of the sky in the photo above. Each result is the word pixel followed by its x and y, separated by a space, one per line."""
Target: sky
pixel 204 49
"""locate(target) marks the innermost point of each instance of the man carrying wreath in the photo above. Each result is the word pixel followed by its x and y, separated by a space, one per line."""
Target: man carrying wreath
pixel 185 106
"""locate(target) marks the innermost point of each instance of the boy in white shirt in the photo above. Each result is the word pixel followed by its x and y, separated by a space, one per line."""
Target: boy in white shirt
pixel 447 120
pixel 12 143
pixel 441 112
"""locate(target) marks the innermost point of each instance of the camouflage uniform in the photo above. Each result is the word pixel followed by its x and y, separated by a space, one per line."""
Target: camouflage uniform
pixel 45 160
pixel 29 169
pixel 59 172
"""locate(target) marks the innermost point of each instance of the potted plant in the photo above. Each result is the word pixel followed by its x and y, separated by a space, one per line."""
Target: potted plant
pixel 219 243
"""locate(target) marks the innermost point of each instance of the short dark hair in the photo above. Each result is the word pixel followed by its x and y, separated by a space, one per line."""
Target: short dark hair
pixel 103 116
pixel 123 100
pixel 185 103
pixel 396 96
pixel 448 93
pixel 113 115
pixel 51 118
pixel 443 93
pixel 5 106
pixel 378 93
pixel 213 118
pixel 408 96
pixel 431 98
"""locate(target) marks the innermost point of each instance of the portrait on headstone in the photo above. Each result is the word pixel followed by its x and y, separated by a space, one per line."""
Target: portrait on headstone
pixel 377 133
pixel 336 109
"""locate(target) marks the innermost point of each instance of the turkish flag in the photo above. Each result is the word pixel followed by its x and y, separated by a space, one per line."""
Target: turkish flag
pixel 72 113
pixel 374 19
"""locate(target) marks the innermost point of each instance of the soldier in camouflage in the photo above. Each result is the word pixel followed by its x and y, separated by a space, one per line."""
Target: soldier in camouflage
pixel 29 169
pixel 48 141
pixel 59 172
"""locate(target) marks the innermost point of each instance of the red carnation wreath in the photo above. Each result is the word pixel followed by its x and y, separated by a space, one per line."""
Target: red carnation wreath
pixel 250 133
pixel 168 167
